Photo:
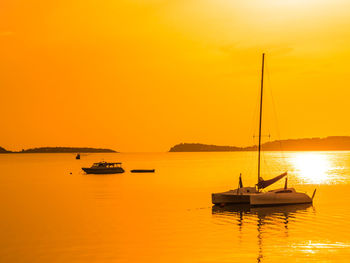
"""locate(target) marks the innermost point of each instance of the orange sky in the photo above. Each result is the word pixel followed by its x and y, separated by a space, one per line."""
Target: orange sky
pixel 138 75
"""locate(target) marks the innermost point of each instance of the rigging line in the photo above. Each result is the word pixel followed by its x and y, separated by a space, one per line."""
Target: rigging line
pixel 254 117
pixel 267 167
pixel 251 132
pixel 276 119
pixel 275 115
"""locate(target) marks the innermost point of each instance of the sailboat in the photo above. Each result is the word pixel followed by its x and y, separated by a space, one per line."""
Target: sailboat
pixel 253 195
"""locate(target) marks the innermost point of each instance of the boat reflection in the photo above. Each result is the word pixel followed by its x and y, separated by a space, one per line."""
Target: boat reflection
pixel 263 216
pixel 260 211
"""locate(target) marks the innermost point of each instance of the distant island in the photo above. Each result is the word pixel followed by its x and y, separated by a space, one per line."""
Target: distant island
pixel 60 150
pixel 331 143
pixel 198 147
pixel 2 150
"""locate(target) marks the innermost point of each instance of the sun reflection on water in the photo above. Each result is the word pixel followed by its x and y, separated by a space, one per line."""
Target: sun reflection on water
pixel 314 168
pixel 315 247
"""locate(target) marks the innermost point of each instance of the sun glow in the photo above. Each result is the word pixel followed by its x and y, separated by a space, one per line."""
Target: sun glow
pixel 295 3
pixel 291 5
pixel 314 168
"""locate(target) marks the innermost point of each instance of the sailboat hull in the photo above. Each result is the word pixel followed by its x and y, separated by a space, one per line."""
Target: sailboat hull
pixel 248 195
pixel 219 199
pixel 237 196
pixel 279 197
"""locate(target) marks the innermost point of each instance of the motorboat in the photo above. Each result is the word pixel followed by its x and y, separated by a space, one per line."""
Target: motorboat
pixel 254 195
pixel 104 168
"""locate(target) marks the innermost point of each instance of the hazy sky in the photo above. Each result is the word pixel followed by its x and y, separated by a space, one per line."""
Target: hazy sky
pixel 138 75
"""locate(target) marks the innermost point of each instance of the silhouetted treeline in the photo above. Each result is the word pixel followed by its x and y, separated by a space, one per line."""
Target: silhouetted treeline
pixel 2 150
pixel 332 143
pixel 61 150
pixel 198 147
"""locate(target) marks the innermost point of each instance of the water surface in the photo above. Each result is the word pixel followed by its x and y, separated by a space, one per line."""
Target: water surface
pixel 53 212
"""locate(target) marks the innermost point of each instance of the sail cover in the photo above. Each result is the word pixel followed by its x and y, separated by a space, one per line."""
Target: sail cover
pixel 265 183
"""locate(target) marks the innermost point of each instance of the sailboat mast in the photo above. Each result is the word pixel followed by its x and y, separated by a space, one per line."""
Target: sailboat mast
pixel 260 121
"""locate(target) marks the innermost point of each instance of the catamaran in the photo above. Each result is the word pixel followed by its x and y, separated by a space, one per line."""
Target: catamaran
pixel 254 195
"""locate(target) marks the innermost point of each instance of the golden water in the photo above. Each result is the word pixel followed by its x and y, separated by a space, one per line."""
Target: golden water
pixel 52 212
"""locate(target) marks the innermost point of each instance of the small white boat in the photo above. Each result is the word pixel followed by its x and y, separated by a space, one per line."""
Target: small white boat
pixel 143 170
pixel 253 195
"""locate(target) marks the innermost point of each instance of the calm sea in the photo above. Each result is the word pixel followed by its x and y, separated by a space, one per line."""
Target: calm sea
pixel 52 212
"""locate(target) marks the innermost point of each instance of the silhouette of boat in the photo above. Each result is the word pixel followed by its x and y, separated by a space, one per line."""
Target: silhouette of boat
pixel 143 171
pixel 253 195
pixel 104 168
pixel 77 156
